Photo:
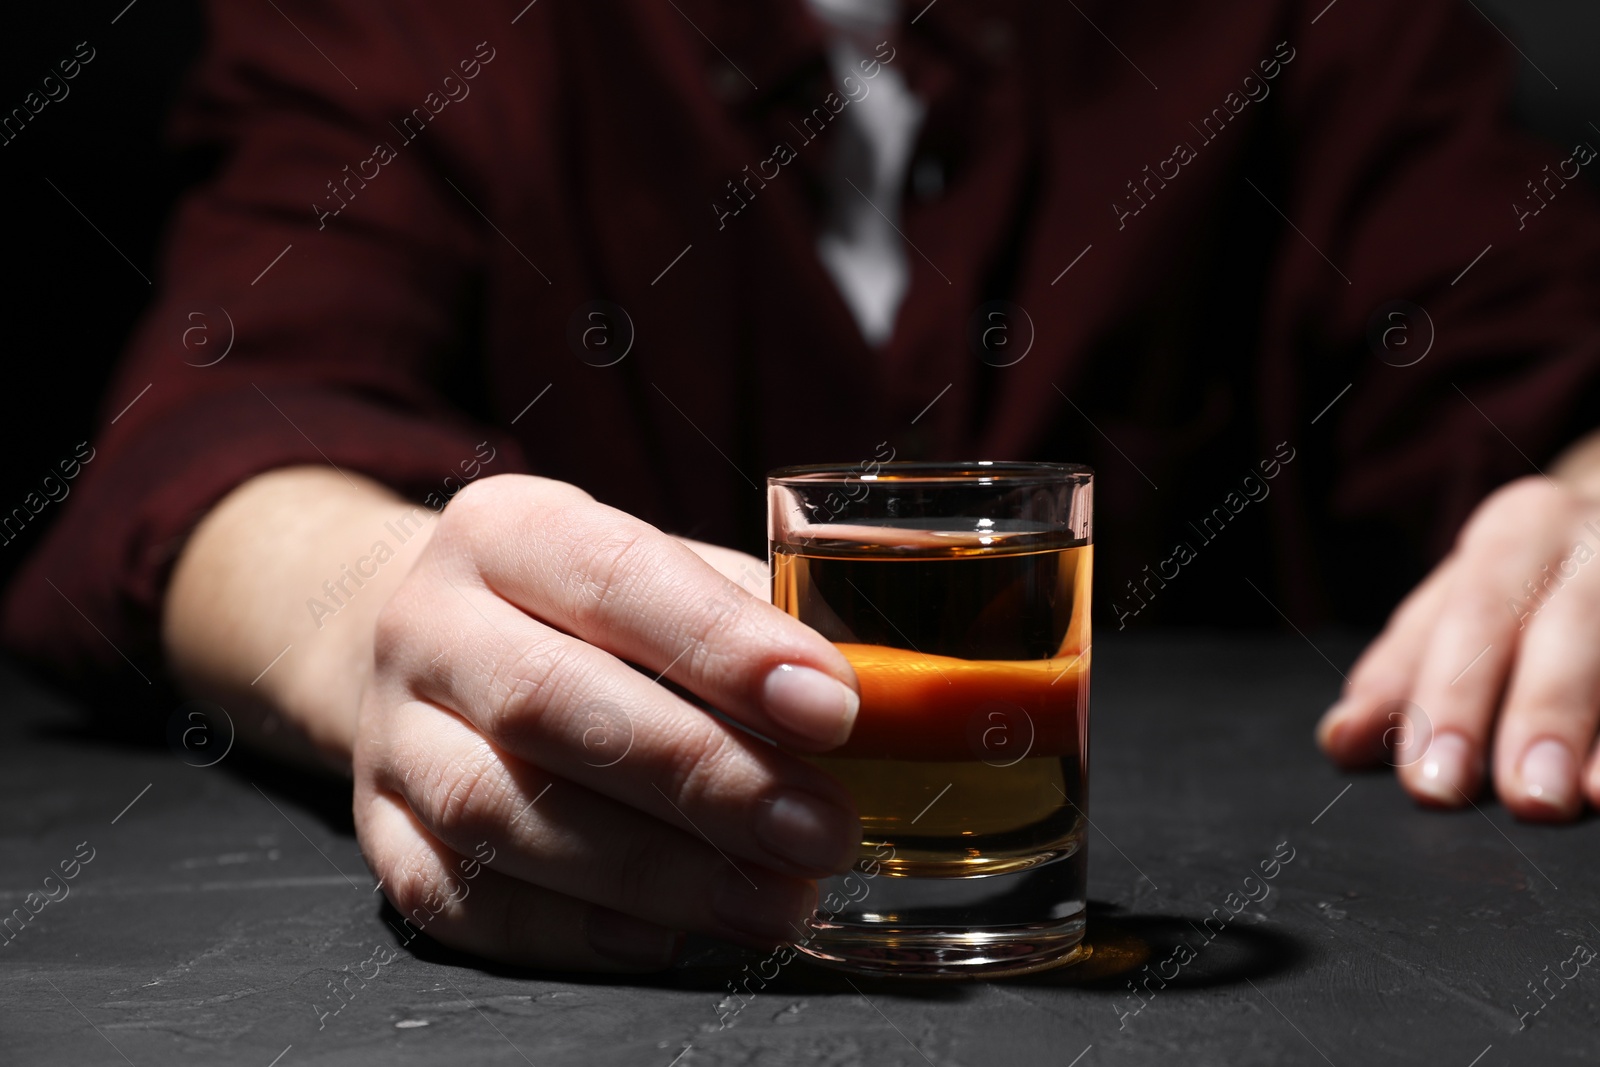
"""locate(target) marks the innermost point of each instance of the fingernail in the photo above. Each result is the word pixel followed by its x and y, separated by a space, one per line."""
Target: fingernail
pixel 812 704
pixel 773 913
pixel 1446 771
pixel 808 831
pixel 629 941
pixel 1549 774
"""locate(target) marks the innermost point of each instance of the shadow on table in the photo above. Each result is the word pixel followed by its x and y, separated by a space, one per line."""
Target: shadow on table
pixel 1173 952
pixel 1143 949
pixel 208 747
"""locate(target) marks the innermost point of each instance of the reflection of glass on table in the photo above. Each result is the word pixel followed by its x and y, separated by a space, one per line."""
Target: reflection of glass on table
pixel 960 595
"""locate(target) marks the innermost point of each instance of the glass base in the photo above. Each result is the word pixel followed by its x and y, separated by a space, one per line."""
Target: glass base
pixel 987 927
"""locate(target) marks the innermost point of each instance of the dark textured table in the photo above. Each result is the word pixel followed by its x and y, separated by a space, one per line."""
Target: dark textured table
pixel 214 909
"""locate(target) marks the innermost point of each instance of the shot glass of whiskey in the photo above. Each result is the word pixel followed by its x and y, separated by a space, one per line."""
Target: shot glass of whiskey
pixel 960 594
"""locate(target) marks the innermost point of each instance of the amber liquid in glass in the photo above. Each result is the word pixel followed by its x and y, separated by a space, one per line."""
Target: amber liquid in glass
pixel 968 756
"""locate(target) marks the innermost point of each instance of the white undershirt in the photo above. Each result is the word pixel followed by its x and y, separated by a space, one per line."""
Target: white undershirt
pixel 871 143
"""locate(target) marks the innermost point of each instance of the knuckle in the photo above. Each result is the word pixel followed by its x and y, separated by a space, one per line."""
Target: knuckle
pixel 697 764
pixel 417 888
pixel 525 683
pixel 464 797
pixel 608 566
pixel 472 516
pixel 482 494
pixel 408 881
pixel 475 515
pixel 1504 517
pixel 721 622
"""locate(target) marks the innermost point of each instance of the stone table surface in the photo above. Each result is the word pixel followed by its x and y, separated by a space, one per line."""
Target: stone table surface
pixel 214 907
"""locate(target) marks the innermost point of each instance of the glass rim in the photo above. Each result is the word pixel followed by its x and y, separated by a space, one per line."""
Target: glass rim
pixel 932 472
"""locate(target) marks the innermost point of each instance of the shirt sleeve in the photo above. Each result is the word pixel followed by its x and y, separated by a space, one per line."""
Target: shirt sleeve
pixel 310 303
pixel 1466 332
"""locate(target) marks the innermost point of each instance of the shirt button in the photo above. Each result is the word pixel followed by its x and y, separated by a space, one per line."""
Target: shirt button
pixel 927 178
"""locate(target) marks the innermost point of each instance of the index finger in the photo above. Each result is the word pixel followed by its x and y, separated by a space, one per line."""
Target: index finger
pixel 619 583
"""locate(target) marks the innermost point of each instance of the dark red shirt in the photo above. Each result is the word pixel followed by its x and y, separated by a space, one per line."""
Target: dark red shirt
pixel 1192 221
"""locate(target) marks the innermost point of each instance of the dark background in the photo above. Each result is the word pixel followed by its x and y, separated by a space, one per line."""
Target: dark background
pixel 70 298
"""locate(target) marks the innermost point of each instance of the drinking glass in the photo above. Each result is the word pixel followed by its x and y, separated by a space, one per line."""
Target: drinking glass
pixel 960 594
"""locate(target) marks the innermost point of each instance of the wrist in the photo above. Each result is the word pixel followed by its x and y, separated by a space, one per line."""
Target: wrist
pixel 272 605
pixel 337 625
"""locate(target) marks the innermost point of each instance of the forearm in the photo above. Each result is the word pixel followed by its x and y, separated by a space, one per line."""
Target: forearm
pixel 290 570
